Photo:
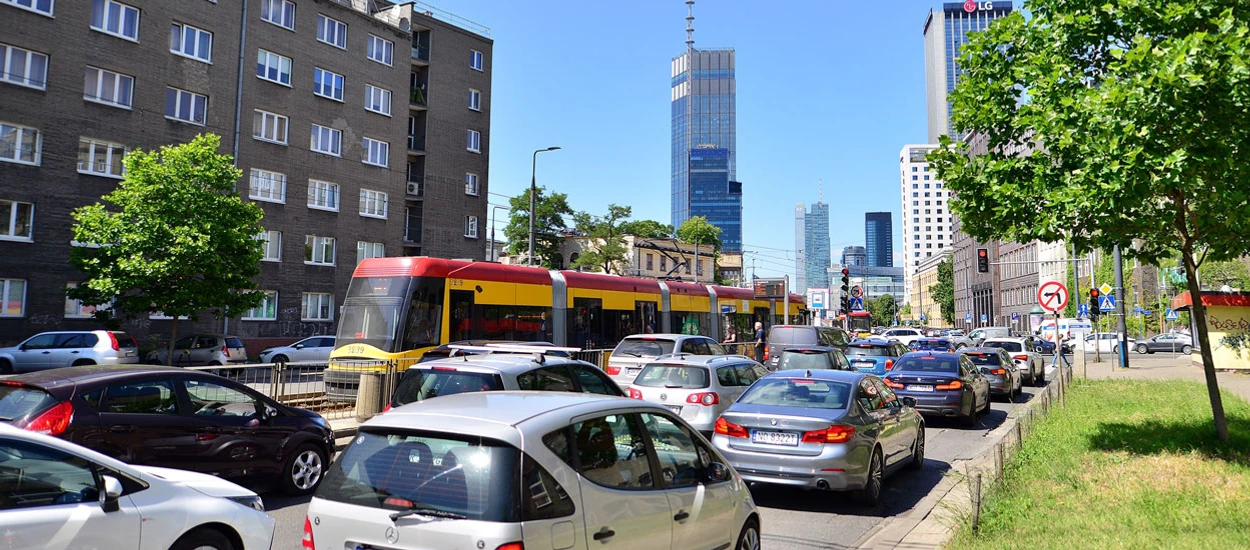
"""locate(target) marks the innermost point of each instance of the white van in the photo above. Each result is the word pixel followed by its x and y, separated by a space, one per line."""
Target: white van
pixel 1077 328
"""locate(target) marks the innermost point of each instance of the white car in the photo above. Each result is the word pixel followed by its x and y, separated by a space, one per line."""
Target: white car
pixel 903 336
pixel 55 494
pixel 313 349
pixel 1106 342
pixel 512 470
pixel 1025 355
pixel 698 388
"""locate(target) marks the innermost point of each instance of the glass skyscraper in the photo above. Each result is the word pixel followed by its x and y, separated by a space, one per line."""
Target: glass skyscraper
pixel 715 196
pixel 944 35
pixel 703 96
pixel 879 236
pixel 816 253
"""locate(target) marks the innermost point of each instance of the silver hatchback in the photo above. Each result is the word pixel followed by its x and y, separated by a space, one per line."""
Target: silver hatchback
pixel 50 350
pixel 696 387
pixel 635 351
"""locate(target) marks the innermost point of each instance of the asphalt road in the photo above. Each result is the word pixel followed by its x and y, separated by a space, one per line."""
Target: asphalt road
pixel 794 519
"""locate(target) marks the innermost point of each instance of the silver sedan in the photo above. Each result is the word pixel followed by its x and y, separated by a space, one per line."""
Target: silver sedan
pixel 821 429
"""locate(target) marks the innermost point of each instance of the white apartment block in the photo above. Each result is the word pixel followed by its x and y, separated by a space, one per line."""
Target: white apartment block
pixel 926 215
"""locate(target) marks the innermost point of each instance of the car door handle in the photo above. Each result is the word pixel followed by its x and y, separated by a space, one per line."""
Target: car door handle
pixel 75 351
pixel 46 352
pixel 681 516
pixel 122 428
pixel 603 534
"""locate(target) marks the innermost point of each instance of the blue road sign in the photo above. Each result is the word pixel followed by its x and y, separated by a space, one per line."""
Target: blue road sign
pixel 1171 315
pixel 1015 316
pixel 984 318
pixel 968 318
pixel 1082 310
pixel 857 304
pixel 1145 312
pixel 922 317
pixel 726 309
pixel 1106 303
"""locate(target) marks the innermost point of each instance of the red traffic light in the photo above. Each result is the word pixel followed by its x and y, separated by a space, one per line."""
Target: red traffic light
pixel 1093 293
pixel 982 252
pixel 845 272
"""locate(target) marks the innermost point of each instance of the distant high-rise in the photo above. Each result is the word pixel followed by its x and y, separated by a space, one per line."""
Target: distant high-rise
pixel 714 196
pixel 854 256
pixel 926 210
pixel 879 238
pixel 800 243
pixel 703 111
pixel 815 238
pixel 944 35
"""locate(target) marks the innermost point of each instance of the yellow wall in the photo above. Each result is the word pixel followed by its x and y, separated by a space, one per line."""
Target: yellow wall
pixel 1223 321
pixel 920 295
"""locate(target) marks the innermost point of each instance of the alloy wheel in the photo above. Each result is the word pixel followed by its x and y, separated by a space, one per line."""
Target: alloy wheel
pixel 873 488
pixel 306 470
pixel 750 538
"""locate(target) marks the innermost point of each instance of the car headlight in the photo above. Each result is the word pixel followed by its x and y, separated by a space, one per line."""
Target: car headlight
pixel 251 501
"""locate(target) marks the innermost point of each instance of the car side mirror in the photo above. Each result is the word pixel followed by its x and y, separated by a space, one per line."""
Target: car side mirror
pixel 909 401
pixel 298 346
pixel 717 472
pixel 112 492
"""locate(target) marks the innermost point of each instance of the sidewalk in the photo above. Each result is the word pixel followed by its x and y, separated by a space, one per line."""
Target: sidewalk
pixel 1161 366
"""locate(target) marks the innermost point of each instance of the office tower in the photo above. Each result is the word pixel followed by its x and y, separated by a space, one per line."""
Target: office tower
pixel 854 256
pixel 800 247
pixel 926 214
pixel 816 246
pixel 945 33
pixel 714 196
pixel 879 238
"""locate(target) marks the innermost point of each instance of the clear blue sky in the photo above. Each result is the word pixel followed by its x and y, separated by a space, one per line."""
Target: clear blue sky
pixel 827 90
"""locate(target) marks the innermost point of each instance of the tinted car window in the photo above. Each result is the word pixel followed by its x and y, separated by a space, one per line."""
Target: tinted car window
pixel 424 383
pixel 796 360
pixel 746 374
pixel 213 399
pixel 644 348
pixel 543 496
pixel 205 342
pixel 865 350
pixel 714 348
pixel 694 347
pixel 546 379
pixel 593 382
pixel 40 341
pixel 869 396
pixel 989 359
pixel 33 475
pixel 725 375
pixel 793 392
pixel 125 340
pixel 19 401
pixel 1009 346
pixel 79 340
pixel 792 336
pixel 683 460
pixel 927 363
pixel 233 342
pixel 145 397
pixel 612 452
pixel 673 376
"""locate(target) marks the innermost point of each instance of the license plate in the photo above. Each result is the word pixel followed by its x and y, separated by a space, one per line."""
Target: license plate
pixel 919 388
pixel 864 363
pixel 675 408
pixel 775 438
pixel 633 371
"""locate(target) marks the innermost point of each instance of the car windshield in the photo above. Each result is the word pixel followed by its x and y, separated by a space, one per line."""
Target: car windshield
pixel 453 476
pixel 19 401
pixel 794 392
pixel 1009 346
pixel 927 343
pixel 420 383
pixel 672 376
pixel 865 350
pixel 984 358
pixel 927 363
pixel 644 347
pixel 799 360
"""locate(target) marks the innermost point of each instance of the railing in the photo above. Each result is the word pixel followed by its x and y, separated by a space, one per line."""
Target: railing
pixel 416 96
pixel 416 143
pixel 421 52
pixel 597 357
pixel 295 384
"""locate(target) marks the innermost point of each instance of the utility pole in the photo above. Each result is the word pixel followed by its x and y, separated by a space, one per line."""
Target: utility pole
pixel 1119 307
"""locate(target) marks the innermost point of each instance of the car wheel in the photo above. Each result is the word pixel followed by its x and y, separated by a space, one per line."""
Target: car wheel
pixel 6 367
pixel 303 470
pixel 203 539
pixel 970 421
pixel 1040 378
pixel 749 538
pixel 1141 348
pixel 917 450
pixel 82 363
pixel 1186 349
pixel 870 495
pixel 279 359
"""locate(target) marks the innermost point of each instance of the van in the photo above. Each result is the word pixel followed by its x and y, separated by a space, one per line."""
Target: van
pixel 980 335
pixel 781 337
pixel 1078 328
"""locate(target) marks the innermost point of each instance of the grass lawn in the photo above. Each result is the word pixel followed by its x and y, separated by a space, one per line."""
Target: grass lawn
pixel 1128 464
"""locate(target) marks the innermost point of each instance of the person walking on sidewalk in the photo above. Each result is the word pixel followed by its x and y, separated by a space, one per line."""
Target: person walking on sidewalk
pixel 1059 340
pixel 759 341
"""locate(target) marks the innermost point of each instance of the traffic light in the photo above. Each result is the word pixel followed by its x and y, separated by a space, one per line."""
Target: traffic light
pixel 846 290
pixel 1094 312
pixel 983 260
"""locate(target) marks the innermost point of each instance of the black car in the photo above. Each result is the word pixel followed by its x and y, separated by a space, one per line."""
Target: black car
pixel 174 418
pixel 813 358
pixel 1166 342
pixel 781 337
pixel 932 344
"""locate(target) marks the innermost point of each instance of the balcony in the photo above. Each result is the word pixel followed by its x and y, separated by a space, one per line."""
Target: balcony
pixel 421 54
pixel 415 186
pixel 416 144
pixel 416 96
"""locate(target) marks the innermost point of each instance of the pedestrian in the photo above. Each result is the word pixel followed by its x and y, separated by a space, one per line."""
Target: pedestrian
pixel 731 337
pixel 759 341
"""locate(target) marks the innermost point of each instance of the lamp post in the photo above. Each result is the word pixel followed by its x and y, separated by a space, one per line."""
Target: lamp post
pixel 493 208
pixel 533 191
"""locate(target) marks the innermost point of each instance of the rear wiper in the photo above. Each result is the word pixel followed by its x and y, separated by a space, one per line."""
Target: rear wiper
pixel 672 386
pixel 630 354
pixel 428 512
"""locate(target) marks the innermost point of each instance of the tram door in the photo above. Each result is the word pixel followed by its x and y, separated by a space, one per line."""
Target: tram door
pixel 586 323
pixel 460 325
pixel 646 313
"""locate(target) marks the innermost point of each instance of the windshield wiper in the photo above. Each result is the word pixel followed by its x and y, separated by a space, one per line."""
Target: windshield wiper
pixel 630 354
pixel 428 512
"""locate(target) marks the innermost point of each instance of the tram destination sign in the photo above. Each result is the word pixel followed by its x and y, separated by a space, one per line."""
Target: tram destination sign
pixel 770 288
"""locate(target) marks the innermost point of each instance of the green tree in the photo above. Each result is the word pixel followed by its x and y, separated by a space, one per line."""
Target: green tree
pixel 1233 273
pixel 549 222
pixel 605 246
pixel 174 237
pixel 647 229
pixel 1107 123
pixel 943 291
pixel 905 311
pixel 698 230
pixel 882 308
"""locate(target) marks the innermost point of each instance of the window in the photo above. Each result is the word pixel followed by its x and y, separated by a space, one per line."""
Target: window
pixel 266 311
pixel 323 195
pixel 210 398
pixel 475 100
pixel 269 127
pixel 546 379
pixel 608 452
pixel 271 246
pixel 12 297
pixel 278 12
pixel 38 6
pixel 474 141
pixel 650 262
pixel 115 18
pixel 19 144
pixel 23 67
pixel 185 106
pixel 475 60
pixel 317 306
pixel 273 67
pixel 191 42
pixel 913 168
pixel 366 250
pixel 267 186
pixel 100 158
pixel 377 100
pixel 327 84
pixel 682 459
pixel 39 476
pixel 380 49
pixel 470 227
pixel 318 250
pixel 376 152
pixel 470 184
pixel 141 397
pixel 75 309
pixel 372 204
pixel 664 264
pixel 15 220
pixel 332 31
pixel 327 140
pixel 108 87
pixel 914 178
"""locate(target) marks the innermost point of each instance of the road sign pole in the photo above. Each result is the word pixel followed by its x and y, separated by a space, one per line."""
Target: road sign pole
pixel 1119 307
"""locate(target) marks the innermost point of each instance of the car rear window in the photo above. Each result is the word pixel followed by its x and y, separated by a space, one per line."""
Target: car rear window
pixel 800 360
pixel 420 383
pixel 125 340
pixel 672 376
pixel 458 476
pixel 927 363
pixel 867 351
pixel 984 358
pixel 792 336
pixel 651 347
pixel 1009 346
pixel 17 401
pixel 795 392
pixel 233 342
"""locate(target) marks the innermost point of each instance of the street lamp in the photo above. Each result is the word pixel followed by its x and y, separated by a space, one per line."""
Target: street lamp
pixel 533 191
pixel 493 208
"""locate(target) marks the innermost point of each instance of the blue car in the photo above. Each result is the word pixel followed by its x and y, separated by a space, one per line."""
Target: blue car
pixel 943 384
pixel 932 344
pixel 874 355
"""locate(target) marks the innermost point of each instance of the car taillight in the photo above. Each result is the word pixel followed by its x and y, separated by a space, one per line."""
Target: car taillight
pixel 225 351
pixel 512 546
pixel 634 394
pixel 613 371
pixel 954 385
pixel 386 408
pixel 833 434
pixel 725 427
pixel 1020 357
pixel 891 383
pixel 307 542
pixel 889 364
pixel 113 340
pixel 998 372
pixel 706 399
pixel 765 353
pixel 54 421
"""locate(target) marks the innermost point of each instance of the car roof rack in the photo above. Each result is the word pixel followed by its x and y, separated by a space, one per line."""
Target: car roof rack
pixel 539 352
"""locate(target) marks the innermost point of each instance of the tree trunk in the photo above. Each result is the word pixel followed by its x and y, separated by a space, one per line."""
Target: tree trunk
pixel 1199 313
pixel 173 336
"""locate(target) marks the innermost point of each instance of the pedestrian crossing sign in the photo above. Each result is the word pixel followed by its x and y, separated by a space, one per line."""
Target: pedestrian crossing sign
pixel 1171 315
pixel 1106 303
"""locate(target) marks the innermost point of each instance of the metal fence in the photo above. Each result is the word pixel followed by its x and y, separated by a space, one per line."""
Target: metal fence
pixel 305 385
